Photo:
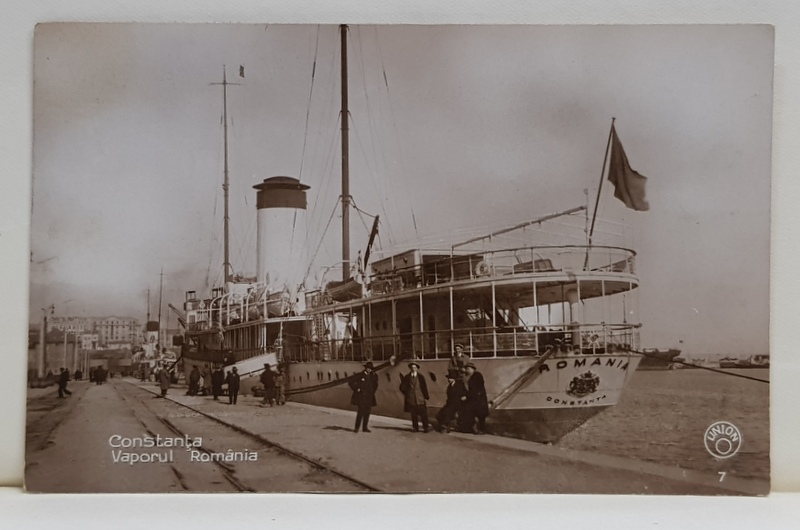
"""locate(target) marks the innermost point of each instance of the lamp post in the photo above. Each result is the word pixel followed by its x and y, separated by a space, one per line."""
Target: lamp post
pixel 75 353
pixel 42 361
pixel 64 356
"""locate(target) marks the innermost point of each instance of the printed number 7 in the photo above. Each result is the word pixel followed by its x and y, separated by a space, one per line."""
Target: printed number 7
pixel 722 475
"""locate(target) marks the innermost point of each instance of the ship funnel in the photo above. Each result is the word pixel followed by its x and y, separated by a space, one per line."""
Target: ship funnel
pixel 281 233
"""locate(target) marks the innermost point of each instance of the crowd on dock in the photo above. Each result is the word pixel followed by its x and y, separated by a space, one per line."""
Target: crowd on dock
pixel 465 409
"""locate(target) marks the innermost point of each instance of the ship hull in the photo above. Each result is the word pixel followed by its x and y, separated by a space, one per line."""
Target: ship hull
pixel 545 408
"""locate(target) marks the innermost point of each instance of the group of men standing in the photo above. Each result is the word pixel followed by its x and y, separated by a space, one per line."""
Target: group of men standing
pixel 466 403
pixel 274 386
pixel 210 382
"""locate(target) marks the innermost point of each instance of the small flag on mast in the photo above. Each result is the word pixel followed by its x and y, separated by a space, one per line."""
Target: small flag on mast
pixel 628 184
pixel 241 71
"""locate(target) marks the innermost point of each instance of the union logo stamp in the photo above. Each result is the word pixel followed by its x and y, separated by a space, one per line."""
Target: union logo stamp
pixel 722 439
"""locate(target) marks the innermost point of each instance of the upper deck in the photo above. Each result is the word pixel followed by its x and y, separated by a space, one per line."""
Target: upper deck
pixel 602 270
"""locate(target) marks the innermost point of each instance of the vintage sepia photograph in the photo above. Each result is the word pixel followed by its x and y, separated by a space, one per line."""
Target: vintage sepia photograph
pixel 400 259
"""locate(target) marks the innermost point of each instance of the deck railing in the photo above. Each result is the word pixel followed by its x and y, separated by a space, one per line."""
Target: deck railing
pixel 575 339
pixel 503 264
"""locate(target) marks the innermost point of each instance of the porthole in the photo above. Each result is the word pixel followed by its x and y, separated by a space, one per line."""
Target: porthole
pixel 388 377
pixel 308 376
pixel 345 375
pixel 433 376
pixel 329 376
pixel 337 375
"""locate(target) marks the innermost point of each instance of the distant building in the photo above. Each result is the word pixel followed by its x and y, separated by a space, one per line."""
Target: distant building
pixel 103 332
pixel 70 324
pixel 90 341
pixel 117 332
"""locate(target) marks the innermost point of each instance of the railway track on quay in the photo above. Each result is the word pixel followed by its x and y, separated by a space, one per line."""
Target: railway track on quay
pixel 117 437
pixel 278 468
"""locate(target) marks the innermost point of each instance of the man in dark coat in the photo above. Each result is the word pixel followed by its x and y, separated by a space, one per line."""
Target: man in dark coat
pixel 268 380
pixel 456 399
pixel 163 381
pixel 233 381
pixel 194 381
pixel 364 385
pixel 63 379
pixel 206 375
pixel 217 380
pixel 415 389
pixel 477 405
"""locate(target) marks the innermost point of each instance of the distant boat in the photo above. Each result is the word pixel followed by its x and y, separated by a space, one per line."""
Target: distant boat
pixel 754 361
pixel 656 359
pixel 729 362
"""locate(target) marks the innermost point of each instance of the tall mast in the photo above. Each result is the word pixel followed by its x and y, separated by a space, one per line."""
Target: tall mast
pixel 345 163
pixel 227 265
pixel 148 304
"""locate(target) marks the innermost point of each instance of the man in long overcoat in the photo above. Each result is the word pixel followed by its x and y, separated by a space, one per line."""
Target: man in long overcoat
pixel 268 380
pixel 477 405
pixel 163 381
pixel 456 400
pixel 415 389
pixel 217 380
pixel 364 385
pixel 194 381
pixel 233 381
pixel 206 375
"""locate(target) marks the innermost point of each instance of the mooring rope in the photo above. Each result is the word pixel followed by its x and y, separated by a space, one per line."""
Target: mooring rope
pixel 703 367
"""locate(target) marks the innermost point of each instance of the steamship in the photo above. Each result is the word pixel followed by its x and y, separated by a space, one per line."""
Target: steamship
pixel 548 325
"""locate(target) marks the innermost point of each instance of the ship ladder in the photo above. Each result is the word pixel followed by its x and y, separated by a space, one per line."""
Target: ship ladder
pixel 520 381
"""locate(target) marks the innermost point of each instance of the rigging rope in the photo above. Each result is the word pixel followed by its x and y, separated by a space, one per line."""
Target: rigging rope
pixel 394 127
pixel 327 171
pixel 308 107
pixel 316 251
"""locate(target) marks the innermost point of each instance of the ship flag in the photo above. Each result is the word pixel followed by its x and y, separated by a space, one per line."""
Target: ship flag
pixel 372 236
pixel 629 185
pixel 241 71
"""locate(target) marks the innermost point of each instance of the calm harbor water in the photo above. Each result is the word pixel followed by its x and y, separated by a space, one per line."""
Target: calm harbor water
pixel 663 415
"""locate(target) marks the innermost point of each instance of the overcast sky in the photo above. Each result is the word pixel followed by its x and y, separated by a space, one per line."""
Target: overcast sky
pixel 479 127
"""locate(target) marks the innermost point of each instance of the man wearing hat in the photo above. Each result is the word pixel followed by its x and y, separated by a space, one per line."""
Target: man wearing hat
pixel 268 380
pixel 477 405
pixel 233 381
pixel 459 358
pixel 364 385
pixel 456 400
pixel 415 390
